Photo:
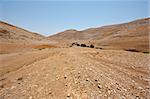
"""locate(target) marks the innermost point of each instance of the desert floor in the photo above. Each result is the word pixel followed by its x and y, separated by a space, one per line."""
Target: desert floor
pixel 74 73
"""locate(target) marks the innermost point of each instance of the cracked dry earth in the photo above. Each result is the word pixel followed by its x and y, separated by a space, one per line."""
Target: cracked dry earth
pixel 80 73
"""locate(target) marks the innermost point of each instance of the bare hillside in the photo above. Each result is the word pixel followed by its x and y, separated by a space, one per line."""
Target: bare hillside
pixel 13 39
pixel 37 67
pixel 12 33
pixel 131 35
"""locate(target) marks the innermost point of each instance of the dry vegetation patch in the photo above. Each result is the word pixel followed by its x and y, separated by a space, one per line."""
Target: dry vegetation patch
pixel 40 47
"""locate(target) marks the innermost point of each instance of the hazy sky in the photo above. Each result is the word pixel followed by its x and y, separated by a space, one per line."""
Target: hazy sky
pixel 48 17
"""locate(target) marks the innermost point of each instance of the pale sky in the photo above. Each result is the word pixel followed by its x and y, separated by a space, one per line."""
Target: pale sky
pixel 48 17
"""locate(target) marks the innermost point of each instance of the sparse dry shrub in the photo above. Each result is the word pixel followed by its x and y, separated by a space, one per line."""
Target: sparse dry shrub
pixel 91 46
pixel 131 50
pixel 83 45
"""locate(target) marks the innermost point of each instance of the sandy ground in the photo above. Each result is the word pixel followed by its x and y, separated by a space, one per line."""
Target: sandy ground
pixel 75 73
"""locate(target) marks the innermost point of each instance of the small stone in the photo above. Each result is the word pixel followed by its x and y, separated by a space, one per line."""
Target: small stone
pixel 99 86
pixel 140 88
pixel 12 87
pixel 65 76
pixel 35 85
pixel 68 95
pixel 137 97
pixel 133 81
pixel 118 89
pixel 30 97
pixel 75 82
pixel 125 90
pixel 109 92
pixel 87 79
pixel 96 80
pixel 122 97
pixel 99 92
pixel 20 78
pixel 117 84
pixel 57 78
pixel 90 69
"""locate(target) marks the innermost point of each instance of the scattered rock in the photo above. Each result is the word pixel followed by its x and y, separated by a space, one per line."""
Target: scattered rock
pixel 118 89
pixel 65 76
pixel 20 78
pixel 57 78
pixel 30 97
pixel 122 97
pixel 133 81
pixel 76 82
pixel 137 97
pixel 109 91
pixel 99 92
pixel 50 93
pixel 68 95
pixel 35 85
pixel 12 87
pixel 99 86
pixel 87 79
pixel 117 84
pixel 90 69
pixel 140 88
pixel 19 83
pixel 125 90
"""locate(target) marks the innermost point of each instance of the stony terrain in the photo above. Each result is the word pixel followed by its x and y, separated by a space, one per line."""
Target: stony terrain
pixel 79 72
pixel 37 67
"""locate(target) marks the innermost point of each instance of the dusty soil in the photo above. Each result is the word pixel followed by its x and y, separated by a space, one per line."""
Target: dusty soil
pixel 60 73
pixel 33 66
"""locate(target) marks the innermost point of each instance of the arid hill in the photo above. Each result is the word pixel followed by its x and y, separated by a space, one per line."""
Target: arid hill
pixel 11 33
pixel 132 35
pixel 13 39
pixel 37 67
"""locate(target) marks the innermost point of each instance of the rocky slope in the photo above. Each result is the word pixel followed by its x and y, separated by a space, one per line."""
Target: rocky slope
pixel 12 33
pixel 13 39
pixel 131 35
